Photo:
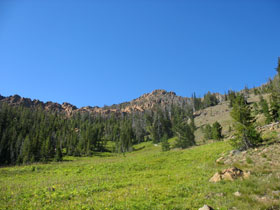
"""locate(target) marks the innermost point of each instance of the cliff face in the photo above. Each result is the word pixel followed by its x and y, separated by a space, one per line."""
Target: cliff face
pixel 16 100
pixel 160 98
pixel 148 101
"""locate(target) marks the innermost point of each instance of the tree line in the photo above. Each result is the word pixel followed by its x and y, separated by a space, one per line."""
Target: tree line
pixel 32 134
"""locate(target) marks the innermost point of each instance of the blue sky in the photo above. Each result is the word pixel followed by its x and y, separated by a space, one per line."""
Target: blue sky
pixel 97 52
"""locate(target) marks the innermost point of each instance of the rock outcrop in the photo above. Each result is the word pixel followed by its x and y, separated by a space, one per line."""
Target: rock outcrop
pixel 148 101
pixel 229 174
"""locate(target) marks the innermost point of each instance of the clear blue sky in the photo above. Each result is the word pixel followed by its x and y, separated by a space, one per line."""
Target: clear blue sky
pixel 96 52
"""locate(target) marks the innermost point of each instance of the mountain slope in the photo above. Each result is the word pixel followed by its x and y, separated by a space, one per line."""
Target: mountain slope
pixel 221 114
pixel 144 179
pixel 147 101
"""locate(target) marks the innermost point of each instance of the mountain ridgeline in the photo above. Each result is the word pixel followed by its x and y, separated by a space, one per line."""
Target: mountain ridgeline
pixel 157 98
pixel 32 131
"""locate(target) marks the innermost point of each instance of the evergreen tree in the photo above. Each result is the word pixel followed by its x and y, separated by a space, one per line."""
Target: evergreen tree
pixel 231 97
pixel 278 67
pixel 246 135
pixel 58 154
pixel 126 138
pixel 165 146
pixel 246 91
pixel 185 135
pixel 27 155
pixel 197 104
pixel 210 100
pixel 207 130
pixel 255 109
pixel 275 95
pixel 265 110
pixel 275 105
pixel 256 92
pixel 217 131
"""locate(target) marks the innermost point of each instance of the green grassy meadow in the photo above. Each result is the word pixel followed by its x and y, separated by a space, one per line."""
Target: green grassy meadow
pixel 144 179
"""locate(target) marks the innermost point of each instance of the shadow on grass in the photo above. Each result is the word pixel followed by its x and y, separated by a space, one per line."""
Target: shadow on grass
pixel 138 149
pixel 61 161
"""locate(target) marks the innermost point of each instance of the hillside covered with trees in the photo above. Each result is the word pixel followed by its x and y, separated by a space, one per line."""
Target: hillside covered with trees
pixel 32 131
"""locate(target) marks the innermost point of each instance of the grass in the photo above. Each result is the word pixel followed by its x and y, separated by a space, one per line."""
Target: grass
pixel 144 179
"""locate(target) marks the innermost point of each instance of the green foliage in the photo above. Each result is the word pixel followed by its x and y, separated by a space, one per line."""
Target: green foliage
pixel 256 109
pixel 165 145
pixel 58 154
pixel 246 91
pixel 32 135
pixel 212 132
pixel 209 100
pixel 256 91
pixel 207 130
pixel 249 160
pixel 185 135
pixel 217 131
pixel 265 110
pixel 275 95
pixel 197 103
pixel 275 105
pixel 124 144
pixel 246 135
pixel 278 67
pixel 231 97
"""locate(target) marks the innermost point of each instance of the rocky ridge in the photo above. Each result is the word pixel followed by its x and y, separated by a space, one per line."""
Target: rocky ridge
pixel 148 101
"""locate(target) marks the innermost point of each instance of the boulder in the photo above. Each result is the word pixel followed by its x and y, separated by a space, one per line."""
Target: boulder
pixel 237 194
pixel 206 207
pixel 229 174
pixel 234 152
pixel 220 160
pixel 216 178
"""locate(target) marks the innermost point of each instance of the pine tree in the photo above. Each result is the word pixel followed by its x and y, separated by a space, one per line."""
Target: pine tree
pixel 246 92
pixel 231 97
pixel 126 138
pixel 274 105
pixel 197 104
pixel 217 131
pixel 58 154
pixel 246 135
pixel 278 67
pixel 275 95
pixel 165 146
pixel 265 110
pixel 207 130
pixel 210 100
pixel 27 155
pixel 185 135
